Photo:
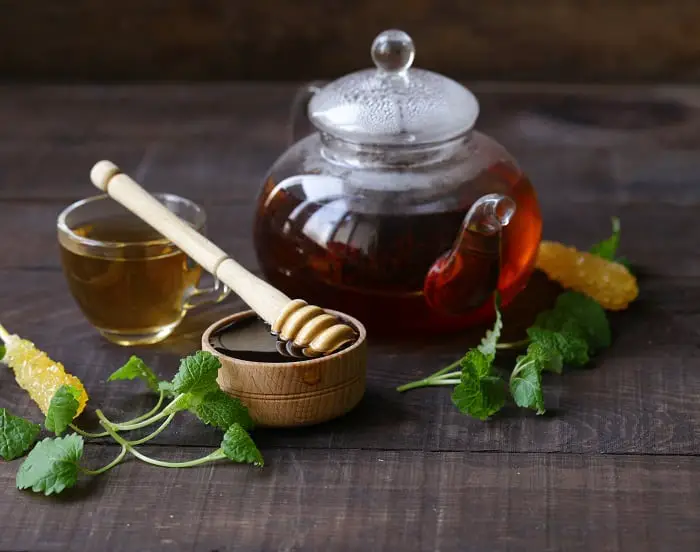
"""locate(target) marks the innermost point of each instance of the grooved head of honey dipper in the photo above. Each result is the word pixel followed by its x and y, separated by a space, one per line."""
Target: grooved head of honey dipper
pixel 312 329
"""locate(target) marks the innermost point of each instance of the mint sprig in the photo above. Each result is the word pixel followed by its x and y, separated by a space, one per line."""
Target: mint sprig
pixel 53 465
pixel 571 333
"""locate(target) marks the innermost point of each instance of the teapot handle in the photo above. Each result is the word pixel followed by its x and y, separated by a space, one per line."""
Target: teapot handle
pixel 297 116
pixel 466 276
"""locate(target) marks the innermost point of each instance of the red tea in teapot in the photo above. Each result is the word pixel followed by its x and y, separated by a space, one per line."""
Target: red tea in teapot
pixel 396 210
pixel 422 270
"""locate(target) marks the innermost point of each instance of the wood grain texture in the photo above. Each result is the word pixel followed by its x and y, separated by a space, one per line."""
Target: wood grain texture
pixel 581 144
pixel 359 500
pixel 639 396
pixel 613 466
pixel 574 40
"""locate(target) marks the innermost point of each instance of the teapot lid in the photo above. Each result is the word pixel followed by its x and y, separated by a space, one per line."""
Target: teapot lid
pixel 394 103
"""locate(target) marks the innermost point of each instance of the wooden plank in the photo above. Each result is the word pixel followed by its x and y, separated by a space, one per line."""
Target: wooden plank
pixel 545 114
pixel 358 500
pixel 570 40
pixel 639 396
pixel 661 250
pixel 209 142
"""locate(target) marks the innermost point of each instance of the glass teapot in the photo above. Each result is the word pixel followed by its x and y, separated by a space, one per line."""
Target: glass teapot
pixel 395 210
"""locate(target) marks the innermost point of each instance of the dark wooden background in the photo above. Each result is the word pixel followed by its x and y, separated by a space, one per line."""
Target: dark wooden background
pixel 613 467
pixel 554 40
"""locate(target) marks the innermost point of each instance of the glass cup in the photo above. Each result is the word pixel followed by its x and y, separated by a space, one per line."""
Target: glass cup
pixel 132 284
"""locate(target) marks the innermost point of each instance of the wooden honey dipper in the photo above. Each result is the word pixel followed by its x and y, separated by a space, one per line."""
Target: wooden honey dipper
pixel 314 331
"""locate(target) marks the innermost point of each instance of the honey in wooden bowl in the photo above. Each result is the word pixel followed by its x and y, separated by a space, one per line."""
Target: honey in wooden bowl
pixel 278 389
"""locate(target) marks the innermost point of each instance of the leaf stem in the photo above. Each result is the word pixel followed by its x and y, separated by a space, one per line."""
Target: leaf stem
pixel 450 375
pixel 174 406
pixel 109 466
pixel 218 454
pixel 520 366
pixel 427 382
pixel 147 414
pixel 446 369
pixel 514 344
pixel 155 433
pixel 87 434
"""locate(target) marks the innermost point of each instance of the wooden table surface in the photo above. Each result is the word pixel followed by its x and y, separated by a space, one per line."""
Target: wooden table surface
pixel 615 463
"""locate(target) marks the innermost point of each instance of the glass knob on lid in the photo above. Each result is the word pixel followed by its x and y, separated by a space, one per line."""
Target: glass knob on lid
pixel 394 103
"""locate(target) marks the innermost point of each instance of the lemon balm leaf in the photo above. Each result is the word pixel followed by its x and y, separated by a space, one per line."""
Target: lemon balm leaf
pixel 166 388
pixel 490 340
pixel 589 316
pixel 197 374
pixel 136 368
pixel 239 447
pixel 548 358
pixel 575 313
pixel 571 348
pixel 52 465
pixel 17 435
pixel 526 385
pixel 608 247
pixel 480 392
pixel 62 409
pixel 220 410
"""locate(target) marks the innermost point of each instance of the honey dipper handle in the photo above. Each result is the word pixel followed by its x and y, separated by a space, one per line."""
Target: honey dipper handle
pixel 266 300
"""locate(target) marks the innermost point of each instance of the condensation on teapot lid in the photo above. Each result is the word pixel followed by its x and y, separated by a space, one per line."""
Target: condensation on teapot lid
pixel 394 103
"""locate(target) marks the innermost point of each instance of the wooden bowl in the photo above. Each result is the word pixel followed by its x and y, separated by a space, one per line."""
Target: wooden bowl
pixel 280 394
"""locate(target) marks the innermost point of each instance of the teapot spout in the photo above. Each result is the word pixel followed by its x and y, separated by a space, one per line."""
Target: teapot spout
pixel 465 277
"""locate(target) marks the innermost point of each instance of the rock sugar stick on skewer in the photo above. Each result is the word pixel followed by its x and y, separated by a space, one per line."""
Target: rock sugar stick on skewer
pixel 36 373
pixel 308 327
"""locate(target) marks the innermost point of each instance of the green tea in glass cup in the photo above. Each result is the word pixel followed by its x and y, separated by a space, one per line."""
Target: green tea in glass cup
pixel 132 284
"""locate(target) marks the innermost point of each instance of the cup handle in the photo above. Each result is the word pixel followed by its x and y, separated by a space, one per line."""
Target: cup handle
pixel 211 295
pixel 298 115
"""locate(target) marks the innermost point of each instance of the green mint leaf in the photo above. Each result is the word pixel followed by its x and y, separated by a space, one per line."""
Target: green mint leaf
pixel 480 392
pixel 166 388
pixel 62 409
pixel 626 263
pixel 526 384
pixel 136 368
pixel 239 447
pixel 489 342
pixel 221 410
pixel 52 465
pixel 547 357
pixel 17 435
pixel 578 314
pixel 608 247
pixel 197 374
pixel 589 316
pixel 568 345
pixel 2 351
